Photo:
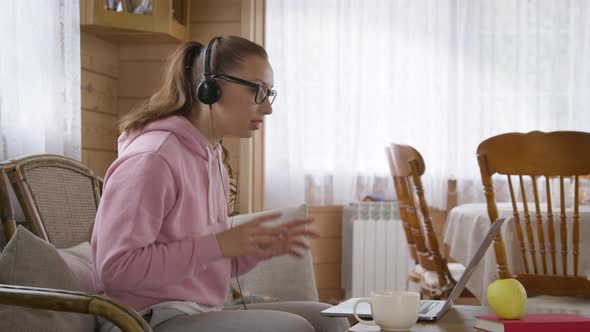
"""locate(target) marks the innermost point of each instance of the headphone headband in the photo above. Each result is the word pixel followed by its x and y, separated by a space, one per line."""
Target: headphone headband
pixel 208 91
pixel 207 64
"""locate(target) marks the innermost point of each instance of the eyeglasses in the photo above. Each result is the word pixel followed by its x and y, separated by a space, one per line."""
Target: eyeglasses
pixel 262 92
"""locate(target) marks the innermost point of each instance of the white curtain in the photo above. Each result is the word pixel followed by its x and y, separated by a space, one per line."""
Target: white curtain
pixel 441 75
pixel 39 78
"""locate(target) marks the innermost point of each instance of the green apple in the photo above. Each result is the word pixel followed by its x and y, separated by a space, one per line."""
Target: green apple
pixel 507 297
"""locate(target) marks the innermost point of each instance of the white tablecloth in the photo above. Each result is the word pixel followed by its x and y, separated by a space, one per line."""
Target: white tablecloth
pixel 468 224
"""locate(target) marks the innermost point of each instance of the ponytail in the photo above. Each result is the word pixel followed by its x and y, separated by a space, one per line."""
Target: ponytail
pixel 175 96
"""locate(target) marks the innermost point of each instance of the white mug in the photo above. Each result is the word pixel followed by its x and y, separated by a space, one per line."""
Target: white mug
pixel 391 311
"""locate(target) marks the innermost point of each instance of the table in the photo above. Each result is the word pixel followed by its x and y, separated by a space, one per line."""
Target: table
pixel 468 224
pixel 459 318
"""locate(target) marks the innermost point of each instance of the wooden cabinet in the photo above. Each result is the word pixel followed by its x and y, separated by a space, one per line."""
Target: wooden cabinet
pixel 168 21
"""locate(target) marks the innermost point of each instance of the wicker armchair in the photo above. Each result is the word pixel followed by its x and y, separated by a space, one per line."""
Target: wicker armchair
pixel 48 188
pixel 60 300
pixel 59 197
pixel 6 214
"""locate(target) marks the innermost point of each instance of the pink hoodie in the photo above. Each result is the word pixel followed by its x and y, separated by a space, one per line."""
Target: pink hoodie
pixel 162 204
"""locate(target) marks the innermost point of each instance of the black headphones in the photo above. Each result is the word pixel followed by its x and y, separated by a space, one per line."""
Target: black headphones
pixel 208 91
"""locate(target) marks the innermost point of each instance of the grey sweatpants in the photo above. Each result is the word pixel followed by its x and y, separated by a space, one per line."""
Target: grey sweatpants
pixel 260 317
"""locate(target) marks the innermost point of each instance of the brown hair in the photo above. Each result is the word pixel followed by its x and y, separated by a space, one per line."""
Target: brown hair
pixel 182 76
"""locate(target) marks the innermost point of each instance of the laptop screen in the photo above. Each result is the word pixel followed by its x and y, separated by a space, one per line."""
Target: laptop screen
pixel 460 286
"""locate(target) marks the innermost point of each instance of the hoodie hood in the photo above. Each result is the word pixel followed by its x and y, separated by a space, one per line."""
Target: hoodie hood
pixel 195 141
pixel 155 234
pixel 180 127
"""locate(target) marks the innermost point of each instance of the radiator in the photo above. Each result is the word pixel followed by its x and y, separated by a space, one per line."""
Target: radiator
pixel 374 249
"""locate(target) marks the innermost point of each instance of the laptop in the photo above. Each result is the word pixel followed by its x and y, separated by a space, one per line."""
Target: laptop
pixel 430 310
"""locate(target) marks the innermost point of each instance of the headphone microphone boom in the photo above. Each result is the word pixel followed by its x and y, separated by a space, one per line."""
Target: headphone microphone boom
pixel 208 91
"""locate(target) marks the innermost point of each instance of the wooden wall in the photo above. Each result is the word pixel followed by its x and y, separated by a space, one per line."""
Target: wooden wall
pixel 210 18
pixel 327 251
pixel 141 68
pixel 99 85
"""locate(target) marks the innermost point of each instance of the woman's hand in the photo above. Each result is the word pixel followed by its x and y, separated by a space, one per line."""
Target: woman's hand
pixel 254 238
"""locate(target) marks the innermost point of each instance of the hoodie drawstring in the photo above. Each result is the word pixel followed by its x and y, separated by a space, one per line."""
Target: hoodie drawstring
pixel 221 194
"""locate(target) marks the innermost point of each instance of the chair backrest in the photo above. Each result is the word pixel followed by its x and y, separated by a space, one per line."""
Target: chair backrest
pixel 400 186
pixel 232 204
pixel 407 167
pixel 59 197
pixel 541 158
pixel 6 212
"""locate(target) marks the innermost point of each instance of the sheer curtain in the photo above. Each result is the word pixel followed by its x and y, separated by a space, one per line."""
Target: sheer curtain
pixel 439 75
pixel 39 78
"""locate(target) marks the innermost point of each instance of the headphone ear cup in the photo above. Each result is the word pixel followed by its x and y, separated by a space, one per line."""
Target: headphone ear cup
pixel 209 91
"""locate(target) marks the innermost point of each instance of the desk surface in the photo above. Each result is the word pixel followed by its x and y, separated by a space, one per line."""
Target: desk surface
pixel 460 318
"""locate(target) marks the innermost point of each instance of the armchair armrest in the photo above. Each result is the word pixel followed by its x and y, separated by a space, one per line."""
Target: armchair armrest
pixel 60 300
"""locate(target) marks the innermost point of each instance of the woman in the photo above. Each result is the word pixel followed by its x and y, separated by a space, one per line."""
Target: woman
pixel 162 241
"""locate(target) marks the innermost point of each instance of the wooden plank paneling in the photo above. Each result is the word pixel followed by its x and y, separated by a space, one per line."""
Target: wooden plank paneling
pixel 140 79
pixel 331 295
pixel 125 104
pixel 326 250
pixel 232 144
pixel 99 92
pixel 204 32
pixel 327 275
pixel 215 10
pixel 98 56
pixel 99 74
pixel 145 52
pixel 98 161
pixel 327 220
pixel 99 131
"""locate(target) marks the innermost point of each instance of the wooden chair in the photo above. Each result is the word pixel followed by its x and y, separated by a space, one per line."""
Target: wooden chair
pixel 59 197
pixel 61 300
pixel 407 167
pixel 538 155
pixel 400 187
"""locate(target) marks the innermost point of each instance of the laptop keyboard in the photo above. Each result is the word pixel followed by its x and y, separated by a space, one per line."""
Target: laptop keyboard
pixel 426 307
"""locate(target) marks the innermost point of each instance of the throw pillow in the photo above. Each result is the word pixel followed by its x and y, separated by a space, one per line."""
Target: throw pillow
pixel 29 261
pixel 285 278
